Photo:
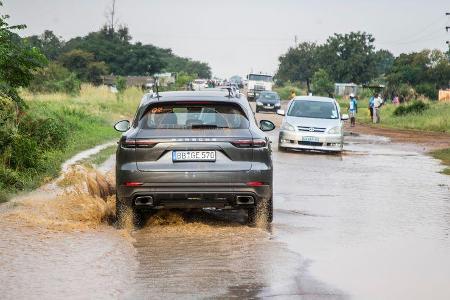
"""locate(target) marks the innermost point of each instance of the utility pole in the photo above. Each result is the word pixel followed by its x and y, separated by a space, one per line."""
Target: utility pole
pixel 295 41
pixel 111 16
pixel 446 29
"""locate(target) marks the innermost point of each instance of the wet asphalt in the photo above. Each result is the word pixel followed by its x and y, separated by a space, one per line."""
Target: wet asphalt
pixel 372 223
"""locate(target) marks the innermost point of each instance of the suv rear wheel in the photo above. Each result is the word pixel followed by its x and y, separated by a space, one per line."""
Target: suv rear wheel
pixel 262 211
pixel 126 213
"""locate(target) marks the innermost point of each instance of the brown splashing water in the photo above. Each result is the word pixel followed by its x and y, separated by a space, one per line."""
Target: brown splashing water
pixel 88 203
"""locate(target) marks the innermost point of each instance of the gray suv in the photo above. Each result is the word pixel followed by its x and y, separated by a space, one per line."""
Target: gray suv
pixel 201 149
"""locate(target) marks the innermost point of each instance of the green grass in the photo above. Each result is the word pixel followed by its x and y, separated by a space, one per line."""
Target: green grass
pixel 101 156
pixel 436 118
pixel 444 156
pixel 88 119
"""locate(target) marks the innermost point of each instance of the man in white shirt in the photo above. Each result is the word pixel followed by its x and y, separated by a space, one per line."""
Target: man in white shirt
pixel 377 102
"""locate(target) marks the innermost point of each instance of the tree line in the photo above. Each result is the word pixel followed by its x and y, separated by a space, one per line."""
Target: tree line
pixel 353 58
pixel 107 51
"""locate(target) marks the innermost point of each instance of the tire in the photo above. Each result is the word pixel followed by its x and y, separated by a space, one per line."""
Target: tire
pixel 281 149
pixel 261 211
pixel 123 210
pixel 257 110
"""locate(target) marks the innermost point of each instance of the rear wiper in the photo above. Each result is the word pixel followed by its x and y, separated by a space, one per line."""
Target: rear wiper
pixel 207 126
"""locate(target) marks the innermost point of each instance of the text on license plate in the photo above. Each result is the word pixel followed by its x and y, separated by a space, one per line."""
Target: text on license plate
pixel 194 156
pixel 310 139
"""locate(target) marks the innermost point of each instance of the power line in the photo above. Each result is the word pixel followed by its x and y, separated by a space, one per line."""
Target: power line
pixel 424 32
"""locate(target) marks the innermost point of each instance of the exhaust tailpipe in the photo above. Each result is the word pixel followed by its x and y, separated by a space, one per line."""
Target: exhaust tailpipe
pixel 143 201
pixel 245 200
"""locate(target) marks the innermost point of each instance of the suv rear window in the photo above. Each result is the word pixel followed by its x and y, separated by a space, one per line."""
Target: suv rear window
pixel 194 115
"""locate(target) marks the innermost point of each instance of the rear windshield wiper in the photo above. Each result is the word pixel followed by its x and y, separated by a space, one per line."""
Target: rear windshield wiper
pixel 207 126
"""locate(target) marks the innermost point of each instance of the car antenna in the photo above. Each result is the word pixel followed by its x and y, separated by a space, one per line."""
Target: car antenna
pixel 157 88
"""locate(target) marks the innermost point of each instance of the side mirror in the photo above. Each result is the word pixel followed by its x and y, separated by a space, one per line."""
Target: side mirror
pixel 281 112
pixel 344 117
pixel 122 126
pixel 266 125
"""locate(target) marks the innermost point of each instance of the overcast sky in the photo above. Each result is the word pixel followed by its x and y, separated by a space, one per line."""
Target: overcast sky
pixel 238 36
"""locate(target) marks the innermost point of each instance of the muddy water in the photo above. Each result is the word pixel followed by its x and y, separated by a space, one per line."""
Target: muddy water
pixel 375 221
pixel 370 224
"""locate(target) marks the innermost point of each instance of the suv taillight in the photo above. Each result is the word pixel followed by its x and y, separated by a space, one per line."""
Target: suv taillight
pixel 254 143
pixel 137 143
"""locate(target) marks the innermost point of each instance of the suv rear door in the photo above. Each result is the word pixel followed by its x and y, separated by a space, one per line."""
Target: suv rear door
pixel 222 127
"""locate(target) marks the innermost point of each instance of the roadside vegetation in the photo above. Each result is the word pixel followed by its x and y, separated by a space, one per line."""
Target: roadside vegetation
pixel 444 156
pixel 56 126
pixel 285 91
pixel 421 115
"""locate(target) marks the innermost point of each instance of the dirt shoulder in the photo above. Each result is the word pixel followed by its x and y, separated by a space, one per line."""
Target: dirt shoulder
pixel 429 140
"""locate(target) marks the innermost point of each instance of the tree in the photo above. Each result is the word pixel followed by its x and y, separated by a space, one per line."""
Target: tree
pixel 299 64
pixel 383 61
pixel 84 65
pixel 349 57
pixel 49 44
pixel 18 61
pixel 183 79
pixel 94 72
pixel 322 84
pixel 425 71
pixel 111 46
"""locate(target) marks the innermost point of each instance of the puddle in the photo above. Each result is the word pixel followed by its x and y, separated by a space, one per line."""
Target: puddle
pixel 372 226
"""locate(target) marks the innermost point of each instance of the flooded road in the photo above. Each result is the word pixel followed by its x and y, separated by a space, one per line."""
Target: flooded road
pixel 373 223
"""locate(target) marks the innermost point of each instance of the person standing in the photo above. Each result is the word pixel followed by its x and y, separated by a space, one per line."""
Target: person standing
pixel 377 102
pixel 396 101
pixel 352 109
pixel 292 95
pixel 371 100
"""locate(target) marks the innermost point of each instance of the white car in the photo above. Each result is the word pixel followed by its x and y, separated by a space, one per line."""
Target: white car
pixel 312 123
pixel 199 84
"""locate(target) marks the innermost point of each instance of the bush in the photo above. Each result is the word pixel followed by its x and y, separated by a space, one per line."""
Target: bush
pixel 406 93
pixel 428 90
pixel 285 91
pixel 70 85
pixel 25 153
pixel 49 133
pixel 416 107
pixel 9 179
pixel 322 85
pixel 55 79
pixel 7 123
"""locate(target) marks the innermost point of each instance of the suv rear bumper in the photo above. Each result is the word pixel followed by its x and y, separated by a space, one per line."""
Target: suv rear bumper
pixel 194 189
pixel 198 196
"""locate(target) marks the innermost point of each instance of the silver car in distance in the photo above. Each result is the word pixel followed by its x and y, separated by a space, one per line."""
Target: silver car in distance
pixel 312 123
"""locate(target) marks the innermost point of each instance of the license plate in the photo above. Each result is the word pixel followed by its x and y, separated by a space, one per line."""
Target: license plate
pixel 310 139
pixel 193 156
pixel 267 106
